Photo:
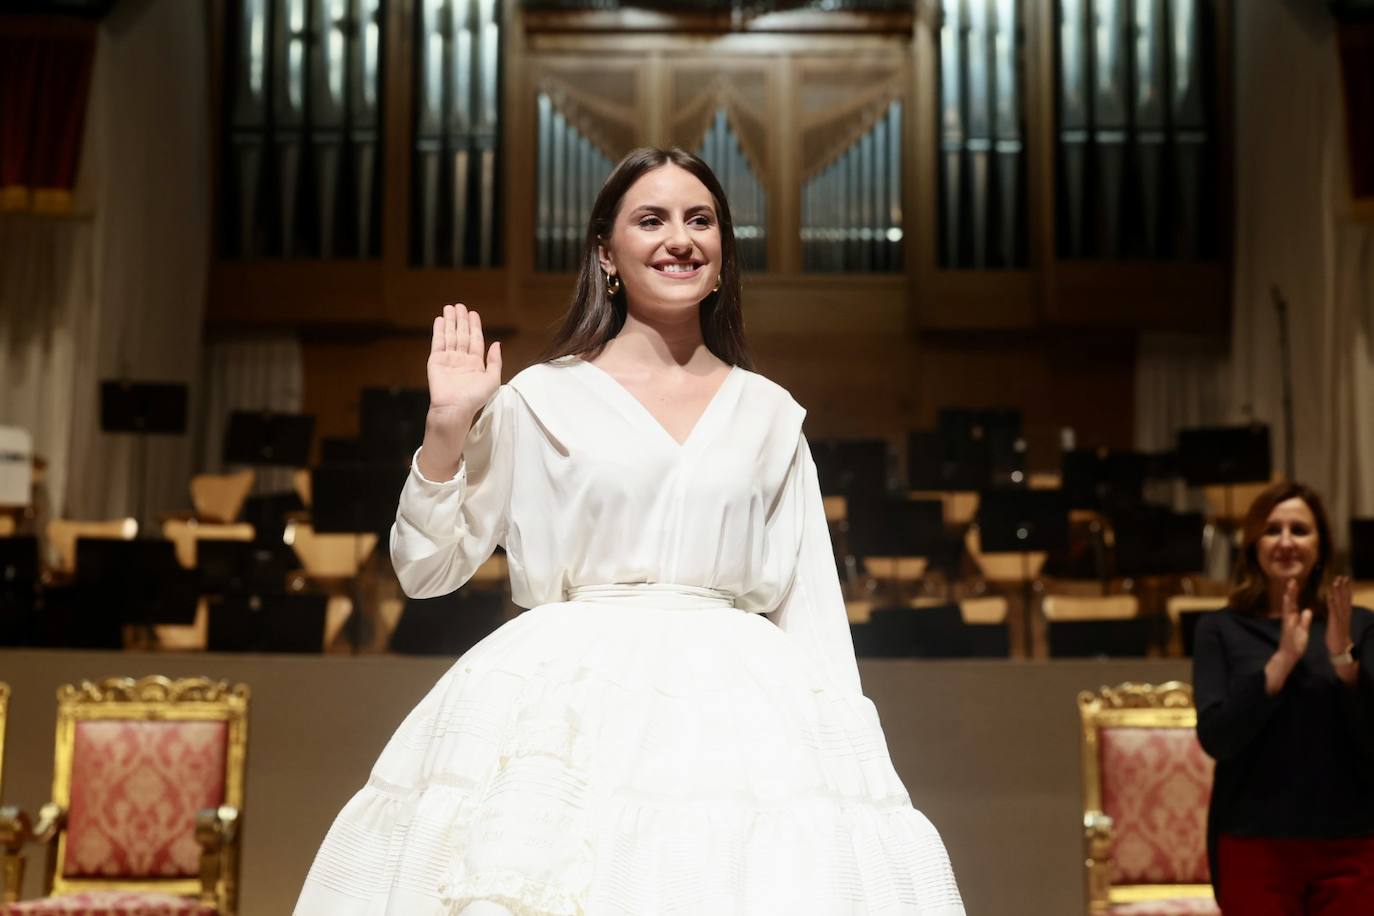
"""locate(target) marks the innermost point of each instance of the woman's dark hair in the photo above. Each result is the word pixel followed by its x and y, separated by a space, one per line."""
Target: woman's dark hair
pixel 595 316
pixel 1251 593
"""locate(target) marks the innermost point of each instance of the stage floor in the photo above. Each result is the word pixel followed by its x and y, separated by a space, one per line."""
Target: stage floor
pixel 988 750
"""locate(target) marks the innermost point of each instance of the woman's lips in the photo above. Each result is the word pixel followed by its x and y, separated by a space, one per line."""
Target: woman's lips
pixel 677 273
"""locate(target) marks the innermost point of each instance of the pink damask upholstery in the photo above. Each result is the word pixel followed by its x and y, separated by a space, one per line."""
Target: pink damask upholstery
pixel 135 790
pixel 109 903
pixel 1175 906
pixel 1156 783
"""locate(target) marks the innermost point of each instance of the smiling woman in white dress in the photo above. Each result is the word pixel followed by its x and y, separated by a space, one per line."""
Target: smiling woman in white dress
pixel 676 725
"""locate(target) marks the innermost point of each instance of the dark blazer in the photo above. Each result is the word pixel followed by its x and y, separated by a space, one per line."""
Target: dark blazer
pixel 1298 764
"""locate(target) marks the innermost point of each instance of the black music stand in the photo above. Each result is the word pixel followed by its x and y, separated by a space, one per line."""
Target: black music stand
pixel 356 499
pixel 139 583
pixel 1362 548
pixel 896 527
pixel 1023 521
pixel 274 439
pixel 392 422
pixel 988 439
pixel 853 468
pixel 342 450
pixel 18 589
pixel 1128 638
pixel 933 463
pixel 1103 479
pixel 268 623
pixel 1155 541
pixel 240 568
pixel 448 624
pixel 1225 455
pixel 142 409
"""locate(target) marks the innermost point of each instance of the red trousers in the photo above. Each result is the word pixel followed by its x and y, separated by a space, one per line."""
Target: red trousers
pixel 1260 876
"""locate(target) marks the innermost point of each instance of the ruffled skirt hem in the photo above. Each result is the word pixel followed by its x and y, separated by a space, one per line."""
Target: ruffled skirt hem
pixel 613 760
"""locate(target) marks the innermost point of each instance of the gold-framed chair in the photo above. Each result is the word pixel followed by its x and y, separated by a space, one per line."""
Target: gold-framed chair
pixel 4 715
pixel 1146 785
pixel 145 817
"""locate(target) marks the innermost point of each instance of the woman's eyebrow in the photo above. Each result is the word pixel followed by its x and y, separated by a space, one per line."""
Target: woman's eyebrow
pixel 664 211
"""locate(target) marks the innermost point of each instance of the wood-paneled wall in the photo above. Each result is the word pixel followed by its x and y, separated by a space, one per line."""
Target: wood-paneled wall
pixel 854 382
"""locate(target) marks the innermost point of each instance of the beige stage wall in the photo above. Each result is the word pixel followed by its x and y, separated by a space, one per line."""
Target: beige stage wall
pixel 988 749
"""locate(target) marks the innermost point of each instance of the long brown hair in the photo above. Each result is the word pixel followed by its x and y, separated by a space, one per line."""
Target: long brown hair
pixel 594 316
pixel 1251 593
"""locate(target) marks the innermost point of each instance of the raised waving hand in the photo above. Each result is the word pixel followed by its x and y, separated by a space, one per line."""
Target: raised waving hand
pixel 463 375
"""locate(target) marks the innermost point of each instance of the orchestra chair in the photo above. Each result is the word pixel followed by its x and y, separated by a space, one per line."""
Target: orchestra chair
pixel 185 534
pixel 986 619
pixel 219 497
pixel 4 710
pixel 301 483
pixel 1146 786
pixel 1184 612
pixel 63 534
pixel 1011 567
pixel 1089 626
pixel 8 525
pixel 332 561
pixel 1016 575
pixel 932 628
pixel 145 817
pixel 959 507
pixel 1228 503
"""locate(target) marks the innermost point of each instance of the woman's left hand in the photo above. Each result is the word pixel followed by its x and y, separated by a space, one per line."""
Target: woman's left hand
pixel 1338 613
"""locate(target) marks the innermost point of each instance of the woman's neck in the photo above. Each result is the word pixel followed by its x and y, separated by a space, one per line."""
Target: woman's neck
pixel 652 342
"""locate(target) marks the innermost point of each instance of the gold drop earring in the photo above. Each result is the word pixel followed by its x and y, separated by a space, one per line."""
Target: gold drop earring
pixel 612 284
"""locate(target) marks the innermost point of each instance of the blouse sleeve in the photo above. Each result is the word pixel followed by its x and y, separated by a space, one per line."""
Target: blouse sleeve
pixel 812 607
pixel 1232 705
pixel 444 531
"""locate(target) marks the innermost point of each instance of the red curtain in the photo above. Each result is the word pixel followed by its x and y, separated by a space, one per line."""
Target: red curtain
pixel 45 78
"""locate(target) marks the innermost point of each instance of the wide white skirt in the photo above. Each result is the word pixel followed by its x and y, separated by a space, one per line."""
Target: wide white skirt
pixel 651 755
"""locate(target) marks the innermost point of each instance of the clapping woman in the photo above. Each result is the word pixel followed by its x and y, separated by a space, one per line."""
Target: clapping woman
pixel 1285 702
pixel 676 725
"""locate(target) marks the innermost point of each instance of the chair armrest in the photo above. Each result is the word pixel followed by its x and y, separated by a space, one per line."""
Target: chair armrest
pixel 217 832
pixel 52 818
pixel 14 834
pixel 1097 860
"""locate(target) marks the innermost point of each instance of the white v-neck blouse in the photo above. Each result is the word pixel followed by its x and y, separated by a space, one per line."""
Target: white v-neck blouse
pixel 583 487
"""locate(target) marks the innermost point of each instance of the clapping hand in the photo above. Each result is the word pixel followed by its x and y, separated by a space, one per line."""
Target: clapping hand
pixel 1296 627
pixel 460 380
pixel 1339 639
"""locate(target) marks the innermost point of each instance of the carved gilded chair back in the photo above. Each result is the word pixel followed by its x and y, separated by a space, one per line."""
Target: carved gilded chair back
pixel 1146 787
pixel 139 767
pixel 4 716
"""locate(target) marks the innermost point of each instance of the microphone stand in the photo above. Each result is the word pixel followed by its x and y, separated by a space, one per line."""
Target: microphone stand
pixel 1286 367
